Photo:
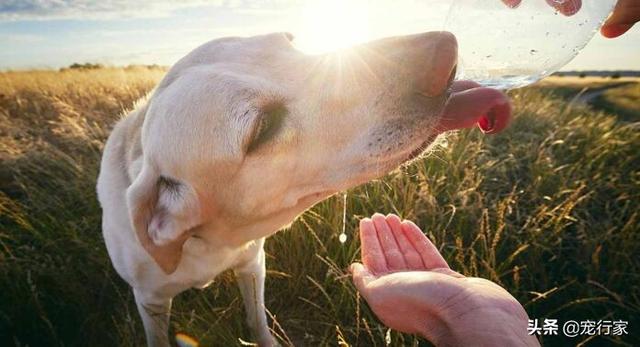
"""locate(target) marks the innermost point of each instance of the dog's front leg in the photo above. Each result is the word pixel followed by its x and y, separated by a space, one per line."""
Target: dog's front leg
pixel 250 276
pixel 154 311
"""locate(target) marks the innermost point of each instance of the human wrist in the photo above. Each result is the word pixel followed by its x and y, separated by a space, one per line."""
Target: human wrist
pixel 491 326
pixel 434 330
pixel 437 328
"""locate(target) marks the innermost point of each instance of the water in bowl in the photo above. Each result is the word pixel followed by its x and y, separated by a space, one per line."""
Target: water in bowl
pixel 507 48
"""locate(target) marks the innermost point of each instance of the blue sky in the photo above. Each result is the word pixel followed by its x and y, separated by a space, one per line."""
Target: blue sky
pixel 51 34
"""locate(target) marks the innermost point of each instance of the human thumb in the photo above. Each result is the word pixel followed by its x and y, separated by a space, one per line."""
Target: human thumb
pixel 361 276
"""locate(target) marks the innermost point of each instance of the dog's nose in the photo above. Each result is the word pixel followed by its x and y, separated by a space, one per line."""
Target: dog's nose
pixel 438 69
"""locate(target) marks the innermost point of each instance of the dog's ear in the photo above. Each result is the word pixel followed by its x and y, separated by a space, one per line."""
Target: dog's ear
pixel 163 212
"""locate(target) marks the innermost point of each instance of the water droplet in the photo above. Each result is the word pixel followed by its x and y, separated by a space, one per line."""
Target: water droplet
pixel 343 236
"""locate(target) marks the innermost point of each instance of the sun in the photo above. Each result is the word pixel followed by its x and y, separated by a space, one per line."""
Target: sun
pixel 329 25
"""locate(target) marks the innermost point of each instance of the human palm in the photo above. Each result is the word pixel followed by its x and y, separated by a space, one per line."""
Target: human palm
pixel 411 288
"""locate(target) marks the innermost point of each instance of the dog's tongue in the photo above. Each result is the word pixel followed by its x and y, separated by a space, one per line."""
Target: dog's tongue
pixel 470 104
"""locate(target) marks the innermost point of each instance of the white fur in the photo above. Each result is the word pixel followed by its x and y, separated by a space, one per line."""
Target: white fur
pixel 178 188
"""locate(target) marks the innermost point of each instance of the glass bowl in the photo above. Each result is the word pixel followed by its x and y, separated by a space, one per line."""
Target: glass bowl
pixel 508 47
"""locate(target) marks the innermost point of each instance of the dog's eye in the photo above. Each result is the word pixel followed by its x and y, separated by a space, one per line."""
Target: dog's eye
pixel 267 125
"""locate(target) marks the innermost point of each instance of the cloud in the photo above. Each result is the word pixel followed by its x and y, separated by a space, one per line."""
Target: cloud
pixel 12 10
pixel 11 39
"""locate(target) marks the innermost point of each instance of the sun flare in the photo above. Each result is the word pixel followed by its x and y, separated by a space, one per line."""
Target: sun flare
pixel 332 24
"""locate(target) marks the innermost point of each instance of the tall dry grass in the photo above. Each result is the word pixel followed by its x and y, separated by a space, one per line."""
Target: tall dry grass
pixel 623 101
pixel 548 209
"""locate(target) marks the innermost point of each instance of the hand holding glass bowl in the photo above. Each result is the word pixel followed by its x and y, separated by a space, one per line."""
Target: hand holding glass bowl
pixel 625 15
pixel 513 46
pixel 568 8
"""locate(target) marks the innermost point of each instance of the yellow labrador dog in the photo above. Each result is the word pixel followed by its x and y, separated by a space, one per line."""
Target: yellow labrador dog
pixel 244 134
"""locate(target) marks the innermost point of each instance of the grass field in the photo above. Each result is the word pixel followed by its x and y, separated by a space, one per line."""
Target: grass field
pixel 622 101
pixel 549 209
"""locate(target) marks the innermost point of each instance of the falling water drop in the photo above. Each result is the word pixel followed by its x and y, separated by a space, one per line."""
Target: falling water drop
pixel 343 236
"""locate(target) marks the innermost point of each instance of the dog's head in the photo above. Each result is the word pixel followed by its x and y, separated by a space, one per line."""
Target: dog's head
pixel 243 134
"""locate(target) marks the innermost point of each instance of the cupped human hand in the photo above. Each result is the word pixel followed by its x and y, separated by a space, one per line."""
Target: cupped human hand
pixel 411 288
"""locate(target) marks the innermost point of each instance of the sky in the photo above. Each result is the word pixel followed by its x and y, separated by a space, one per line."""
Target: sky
pixel 57 33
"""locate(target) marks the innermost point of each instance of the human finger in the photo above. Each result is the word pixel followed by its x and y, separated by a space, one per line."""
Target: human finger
pixel 430 255
pixel 370 250
pixel 411 257
pixel 395 260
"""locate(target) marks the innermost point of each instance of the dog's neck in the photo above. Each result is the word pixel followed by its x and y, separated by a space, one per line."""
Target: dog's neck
pixel 221 234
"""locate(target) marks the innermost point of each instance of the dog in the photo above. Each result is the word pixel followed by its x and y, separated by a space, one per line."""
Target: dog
pixel 244 134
